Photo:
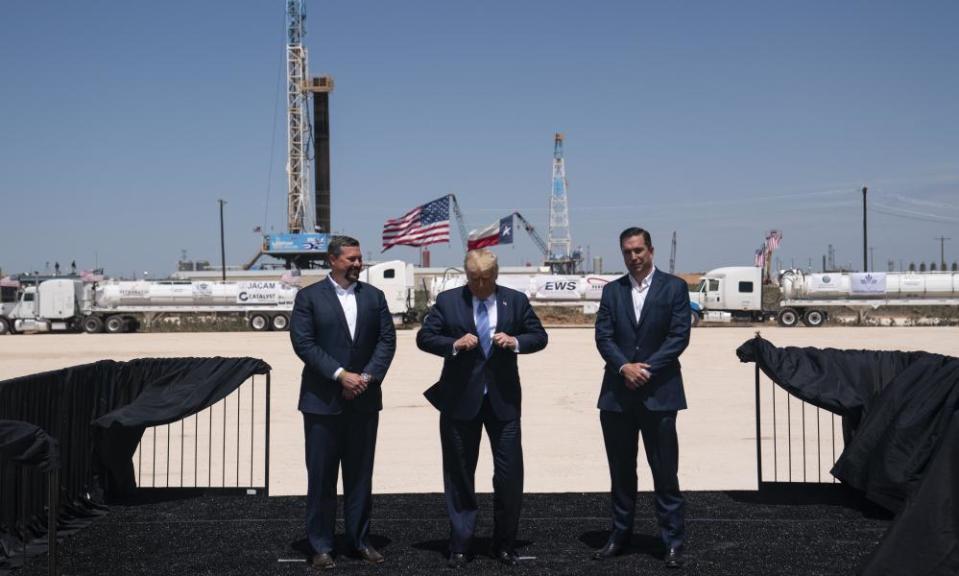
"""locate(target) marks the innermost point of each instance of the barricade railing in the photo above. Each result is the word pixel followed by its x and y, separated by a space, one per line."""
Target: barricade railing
pixel 796 442
pixel 33 489
pixel 225 447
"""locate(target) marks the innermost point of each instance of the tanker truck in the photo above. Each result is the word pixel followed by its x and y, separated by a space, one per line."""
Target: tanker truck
pixel 73 305
pixel 738 292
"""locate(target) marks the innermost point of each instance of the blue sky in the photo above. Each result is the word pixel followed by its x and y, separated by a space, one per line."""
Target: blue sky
pixel 121 123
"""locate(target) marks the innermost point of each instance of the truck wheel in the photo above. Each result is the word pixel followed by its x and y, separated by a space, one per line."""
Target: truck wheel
pixel 92 325
pixel 814 318
pixel 788 317
pixel 694 318
pixel 4 326
pixel 280 322
pixel 259 323
pixel 115 324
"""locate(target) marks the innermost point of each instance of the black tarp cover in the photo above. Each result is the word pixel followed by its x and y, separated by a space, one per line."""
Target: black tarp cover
pixel 903 449
pixel 157 391
pixel 97 413
pixel 28 445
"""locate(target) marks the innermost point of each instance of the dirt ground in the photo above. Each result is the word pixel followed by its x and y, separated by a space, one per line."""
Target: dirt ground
pixel 562 440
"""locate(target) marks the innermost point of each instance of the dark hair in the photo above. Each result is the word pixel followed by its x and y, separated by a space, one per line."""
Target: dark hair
pixel 338 242
pixel 635 231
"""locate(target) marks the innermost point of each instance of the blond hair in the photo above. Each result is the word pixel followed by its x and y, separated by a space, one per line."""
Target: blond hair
pixel 480 260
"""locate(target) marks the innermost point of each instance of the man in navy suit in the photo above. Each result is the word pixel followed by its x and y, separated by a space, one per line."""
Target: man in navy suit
pixel 479 329
pixel 343 331
pixel 642 327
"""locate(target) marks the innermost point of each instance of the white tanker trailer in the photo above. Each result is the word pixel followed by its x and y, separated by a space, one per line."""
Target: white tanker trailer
pixel 737 291
pixel 120 306
pixel 542 289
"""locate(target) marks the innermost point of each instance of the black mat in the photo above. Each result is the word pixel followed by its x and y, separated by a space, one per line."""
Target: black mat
pixel 808 531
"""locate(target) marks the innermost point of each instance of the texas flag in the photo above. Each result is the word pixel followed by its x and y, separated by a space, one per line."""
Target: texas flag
pixel 500 232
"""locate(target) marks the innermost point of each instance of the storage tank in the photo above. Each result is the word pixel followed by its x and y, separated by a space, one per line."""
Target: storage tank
pixel 865 285
pixel 141 293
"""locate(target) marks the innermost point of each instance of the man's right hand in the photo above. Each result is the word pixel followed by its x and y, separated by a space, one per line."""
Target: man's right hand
pixel 466 342
pixel 352 383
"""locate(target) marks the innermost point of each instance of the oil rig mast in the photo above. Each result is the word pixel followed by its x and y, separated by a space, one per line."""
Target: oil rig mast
pixel 560 256
pixel 297 125
pixel 302 149
pixel 308 148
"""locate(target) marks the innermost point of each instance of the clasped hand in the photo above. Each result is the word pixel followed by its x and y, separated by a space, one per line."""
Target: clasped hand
pixel 636 374
pixel 353 384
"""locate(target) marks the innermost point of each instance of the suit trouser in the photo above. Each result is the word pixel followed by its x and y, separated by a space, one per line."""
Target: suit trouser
pixel 349 439
pixel 461 441
pixel 621 432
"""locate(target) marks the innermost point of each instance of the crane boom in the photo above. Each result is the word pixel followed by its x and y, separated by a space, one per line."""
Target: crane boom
pixel 459 220
pixel 533 234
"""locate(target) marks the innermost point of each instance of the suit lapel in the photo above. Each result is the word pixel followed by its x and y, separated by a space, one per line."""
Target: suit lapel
pixel 626 295
pixel 654 289
pixel 334 303
pixel 467 310
pixel 360 294
pixel 502 309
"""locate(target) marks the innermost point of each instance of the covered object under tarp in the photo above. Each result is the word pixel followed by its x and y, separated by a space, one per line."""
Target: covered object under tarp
pixel 901 445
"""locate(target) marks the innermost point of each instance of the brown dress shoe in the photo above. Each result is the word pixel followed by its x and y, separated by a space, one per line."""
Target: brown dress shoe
pixel 322 561
pixel 370 555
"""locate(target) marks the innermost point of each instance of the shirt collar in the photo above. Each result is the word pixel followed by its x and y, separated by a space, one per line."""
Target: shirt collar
pixel 646 281
pixel 339 289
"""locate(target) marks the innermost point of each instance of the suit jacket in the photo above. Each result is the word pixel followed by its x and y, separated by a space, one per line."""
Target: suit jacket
pixel 660 337
pixel 321 338
pixel 459 392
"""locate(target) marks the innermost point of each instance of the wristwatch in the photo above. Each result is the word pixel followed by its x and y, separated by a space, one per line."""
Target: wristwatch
pixel 365 377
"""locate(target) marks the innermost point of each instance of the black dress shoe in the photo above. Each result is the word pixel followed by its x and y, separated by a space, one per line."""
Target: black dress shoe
pixel 508 557
pixel 674 558
pixel 609 550
pixel 457 560
pixel 370 555
pixel 322 561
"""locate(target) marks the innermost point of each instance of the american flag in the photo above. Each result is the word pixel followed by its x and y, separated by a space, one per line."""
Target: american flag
pixel 421 226
pixel 760 260
pixel 773 239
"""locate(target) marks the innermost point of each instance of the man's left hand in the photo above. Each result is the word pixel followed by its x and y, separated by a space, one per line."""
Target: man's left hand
pixel 504 340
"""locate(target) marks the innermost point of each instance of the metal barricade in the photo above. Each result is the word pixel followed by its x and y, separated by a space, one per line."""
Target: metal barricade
pixel 225 447
pixel 795 441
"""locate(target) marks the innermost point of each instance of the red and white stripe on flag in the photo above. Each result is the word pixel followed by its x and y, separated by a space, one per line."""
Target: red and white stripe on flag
pixel 483 237
pixel 421 226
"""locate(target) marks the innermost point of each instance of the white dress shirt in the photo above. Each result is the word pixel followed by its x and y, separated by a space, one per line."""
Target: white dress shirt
pixel 639 292
pixel 347 298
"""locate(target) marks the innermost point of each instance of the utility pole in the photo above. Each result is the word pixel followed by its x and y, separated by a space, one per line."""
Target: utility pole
pixel 865 232
pixel 942 251
pixel 222 243
pixel 672 255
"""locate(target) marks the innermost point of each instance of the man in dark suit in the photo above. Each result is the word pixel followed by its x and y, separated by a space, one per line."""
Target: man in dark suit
pixel 343 331
pixel 479 329
pixel 642 327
